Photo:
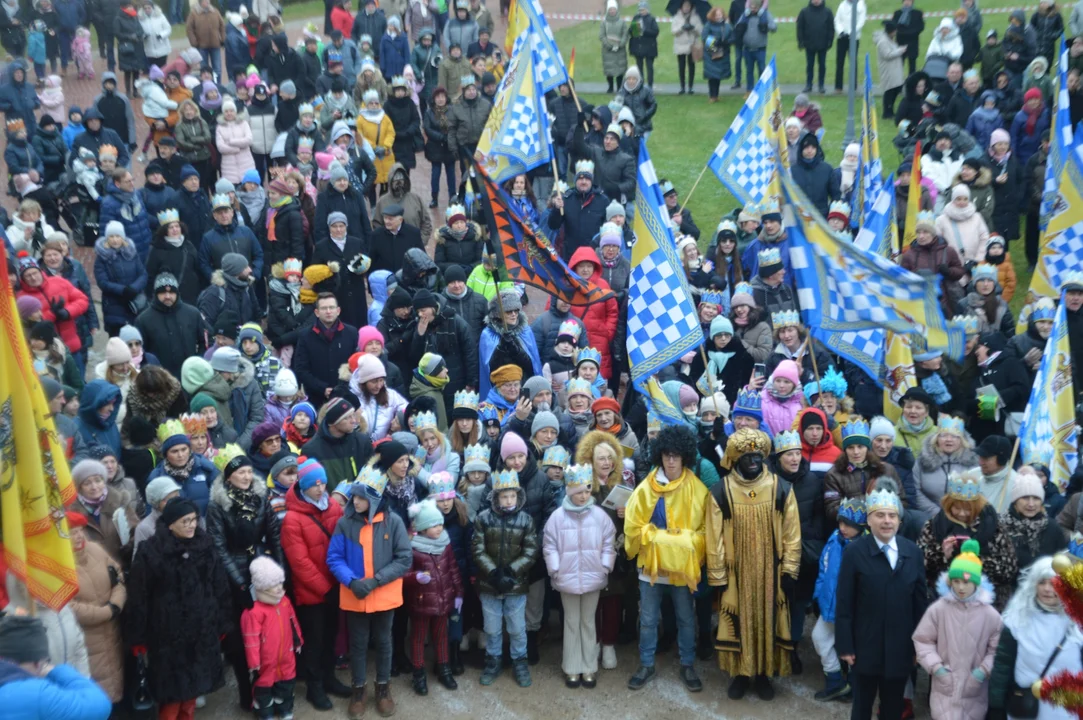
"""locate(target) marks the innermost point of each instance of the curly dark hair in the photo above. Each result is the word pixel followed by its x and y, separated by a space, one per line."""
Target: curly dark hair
pixel 674 439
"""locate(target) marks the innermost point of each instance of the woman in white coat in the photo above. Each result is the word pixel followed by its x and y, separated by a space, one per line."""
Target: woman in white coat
pixel 156 33
pixel 379 403
pixel 946 41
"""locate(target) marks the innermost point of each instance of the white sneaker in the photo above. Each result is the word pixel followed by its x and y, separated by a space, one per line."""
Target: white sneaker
pixel 201 702
pixel 141 159
pixel 609 657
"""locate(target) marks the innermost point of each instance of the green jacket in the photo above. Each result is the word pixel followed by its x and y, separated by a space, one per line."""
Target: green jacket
pixel 504 539
pixel 1002 680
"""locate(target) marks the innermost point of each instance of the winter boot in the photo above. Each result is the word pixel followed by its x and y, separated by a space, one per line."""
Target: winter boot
pixel 522 672
pixel 834 687
pixel 492 669
pixel 336 687
pixel 532 653
pixel 704 646
pixel 384 704
pixel 356 709
pixel 796 666
pixel 446 676
pixel 317 697
pixel 421 683
pixel 455 659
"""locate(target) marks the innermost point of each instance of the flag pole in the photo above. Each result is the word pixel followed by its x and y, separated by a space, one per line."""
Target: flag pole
pixel 1015 451
pixel 694 186
pixel 556 175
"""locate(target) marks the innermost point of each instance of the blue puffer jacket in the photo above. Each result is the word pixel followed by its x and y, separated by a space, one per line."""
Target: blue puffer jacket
pixel 827 581
pixel 391 552
pixel 127 209
pixel 237 54
pixel 72 14
pixel 115 271
pixel 63 694
pixel 18 100
pixel 155 199
pixel 197 487
pixel 378 288
pixel 93 429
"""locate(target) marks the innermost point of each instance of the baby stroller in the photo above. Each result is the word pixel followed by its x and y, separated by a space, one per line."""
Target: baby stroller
pixel 79 211
pixel 936 66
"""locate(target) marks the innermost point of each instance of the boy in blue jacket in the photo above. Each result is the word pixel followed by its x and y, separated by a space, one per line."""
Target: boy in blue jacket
pixel 851 525
pixel 75 126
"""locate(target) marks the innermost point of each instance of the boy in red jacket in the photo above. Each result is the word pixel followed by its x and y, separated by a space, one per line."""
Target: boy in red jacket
pixel 272 639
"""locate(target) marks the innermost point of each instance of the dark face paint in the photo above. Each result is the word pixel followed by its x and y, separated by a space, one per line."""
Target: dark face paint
pixel 750 466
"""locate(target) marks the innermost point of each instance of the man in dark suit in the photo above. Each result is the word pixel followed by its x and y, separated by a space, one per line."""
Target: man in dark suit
pixel 880 599
pixel 388 244
pixel 910 23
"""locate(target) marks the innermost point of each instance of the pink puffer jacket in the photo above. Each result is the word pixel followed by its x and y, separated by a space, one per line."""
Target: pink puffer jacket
pixel 234 140
pixel 578 549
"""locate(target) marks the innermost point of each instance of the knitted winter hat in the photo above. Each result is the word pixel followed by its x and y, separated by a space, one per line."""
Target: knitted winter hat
pixel 1027 486
pixel 266 573
pixel 787 370
pixel 687 395
pixel 200 400
pixel 881 426
pixel 510 445
pixel 159 488
pixel 310 472
pixel 389 453
pixel 117 352
pixel 86 469
pixel 537 384
pixel 285 384
pixel 225 359
pixel 369 367
pixel 195 373
pixel 543 420
pixel 967 564
pixel 425 515
pixel 264 431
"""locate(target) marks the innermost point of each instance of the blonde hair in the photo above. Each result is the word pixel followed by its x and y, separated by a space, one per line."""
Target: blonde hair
pixel 29 205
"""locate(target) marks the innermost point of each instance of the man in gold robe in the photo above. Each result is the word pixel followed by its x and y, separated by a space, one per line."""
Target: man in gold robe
pixel 753 536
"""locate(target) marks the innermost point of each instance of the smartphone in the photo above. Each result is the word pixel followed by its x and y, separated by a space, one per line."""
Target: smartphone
pixel 524 394
pixel 759 370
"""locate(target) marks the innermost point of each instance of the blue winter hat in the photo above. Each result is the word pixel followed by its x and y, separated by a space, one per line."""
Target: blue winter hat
pixel 188 171
pixel 306 408
pixel 252 176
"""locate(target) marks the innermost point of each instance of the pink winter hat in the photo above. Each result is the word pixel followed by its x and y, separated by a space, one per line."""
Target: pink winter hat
pixel 999 135
pixel 266 573
pixel 367 334
pixel 369 367
pixel 510 445
pixel 787 370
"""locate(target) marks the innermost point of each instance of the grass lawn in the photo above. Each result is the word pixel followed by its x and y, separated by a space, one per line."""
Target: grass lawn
pixel 294 11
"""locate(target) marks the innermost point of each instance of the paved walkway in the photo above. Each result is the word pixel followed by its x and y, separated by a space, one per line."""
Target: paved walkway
pixel 599 88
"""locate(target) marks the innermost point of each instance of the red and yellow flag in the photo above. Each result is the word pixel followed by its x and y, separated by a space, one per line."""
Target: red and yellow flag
pixel 913 200
pixel 35 482
pixel 571 65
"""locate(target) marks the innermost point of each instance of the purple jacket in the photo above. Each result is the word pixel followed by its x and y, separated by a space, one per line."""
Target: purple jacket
pixel 578 550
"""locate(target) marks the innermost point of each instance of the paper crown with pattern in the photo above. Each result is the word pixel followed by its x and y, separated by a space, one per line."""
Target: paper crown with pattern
pixel 769 256
pixel 882 500
pixel 833 382
pixel 194 424
pixel 453 210
pixel 584 167
pixel 579 386
pixel 1044 309
pixel 588 353
pixel 467 399
pixel 373 479
pixel 305 143
pixel 748 403
pixel 505 480
pixel 398 81
pixel 787 440
pixel 16 125
pixel 984 271
pixel 466 81
pixel 711 297
pixel 107 149
pixel 370 95
pixel 226 455
pixel 569 328
pixel 221 201
pixel 839 208
pixel 424 420
pixel 555 455
pixel 951 425
pixel 653 421
pixel 666 187
pixel 487 412
pixel 856 428
pixel 965 485
pixel 971 324
pixel 742 287
pixel 852 510
pixel 168 216
pixel 292 266
pixel 770 206
pixel 578 475
pixel 441 486
pixel 785 318
pixel 171 428
pixel 305 109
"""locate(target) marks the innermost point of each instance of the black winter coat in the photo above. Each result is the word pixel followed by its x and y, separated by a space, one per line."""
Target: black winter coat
pixel 645 43
pixel 471 307
pixel 614 172
pixel 178 607
pixel 352 204
pixel 289 234
pixel 505 541
pixel 316 361
pixel 172 333
pixel 466 253
pixel 1008 197
pixel 407 123
pixel 398 340
pixel 814 177
pixel 239 537
pixel 342 458
pixel 808 490
pixel 284 66
pixel 1010 377
pixel 387 250
pixel 1050 539
pixel 449 336
pixel 583 216
pixel 436 147
pixel 349 286
pixel 195 211
pixel 182 262
pixel 877 609
pixel 815 27
pixel 566 116
pixel 284 325
pixel 220 240
pixel 546 327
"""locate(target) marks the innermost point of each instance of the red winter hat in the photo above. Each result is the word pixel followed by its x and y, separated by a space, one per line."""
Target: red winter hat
pixel 75 519
pixel 1032 94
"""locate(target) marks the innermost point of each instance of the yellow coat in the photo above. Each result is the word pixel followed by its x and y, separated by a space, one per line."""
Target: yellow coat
pixel 677 552
pixel 381 134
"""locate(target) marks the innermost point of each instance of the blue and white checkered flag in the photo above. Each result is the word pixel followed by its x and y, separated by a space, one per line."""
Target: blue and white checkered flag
pixel 875 234
pixel 550 69
pixel 746 158
pixel 864 348
pixel 662 320
pixel 1061 141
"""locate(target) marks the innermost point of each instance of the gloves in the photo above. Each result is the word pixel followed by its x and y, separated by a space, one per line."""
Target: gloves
pixel 788 583
pixel 421 453
pixel 942 671
pixel 942 269
pixel 62 314
pixel 458 604
pixel 129 293
pixel 379 152
pixel 424 578
pixel 580 118
pixel 978 674
pixel 113 611
pixel 507 583
pixel 138 650
pixel 361 588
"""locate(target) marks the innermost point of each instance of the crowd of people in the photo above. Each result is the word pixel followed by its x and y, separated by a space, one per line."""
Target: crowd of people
pixel 324 428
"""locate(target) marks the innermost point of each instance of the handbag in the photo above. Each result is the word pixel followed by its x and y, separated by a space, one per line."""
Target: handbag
pixel 138 304
pixel 1021 701
pixel 126 47
pixel 697 50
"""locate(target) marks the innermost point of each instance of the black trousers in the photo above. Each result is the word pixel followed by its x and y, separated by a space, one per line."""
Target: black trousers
pixel 866 688
pixel 890 96
pixel 1031 238
pixel 811 58
pixel 648 73
pixel 319 626
pixel 712 87
pixel 686 61
pixel 842 48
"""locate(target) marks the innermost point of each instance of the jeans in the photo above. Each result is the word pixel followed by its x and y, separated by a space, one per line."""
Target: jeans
pixel 213 56
pixel 798 610
pixel 738 55
pixel 812 57
pixel 754 59
pixel 176 12
pixel 511 610
pixel 650 608
pixel 842 48
pixel 64 38
pixel 107 42
pixel 361 626
pixel 449 170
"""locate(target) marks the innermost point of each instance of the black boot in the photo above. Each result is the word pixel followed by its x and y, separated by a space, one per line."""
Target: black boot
pixel 532 654
pixel 796 666
pixel 337 688
pixel 317 697
pixel 455 659
pixel 421 683
pixel 446 677
pixel 704 647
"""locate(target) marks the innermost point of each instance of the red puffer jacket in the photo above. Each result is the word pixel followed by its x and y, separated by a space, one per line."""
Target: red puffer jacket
pixel 53 289
pixel 599 318
pixel 438 596
pixel 306 533
pixel 268 632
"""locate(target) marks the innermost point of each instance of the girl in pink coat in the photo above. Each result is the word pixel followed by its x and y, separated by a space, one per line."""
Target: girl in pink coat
pixel 579 554
pixel 781 398
pixel 234 139
pixel 956 640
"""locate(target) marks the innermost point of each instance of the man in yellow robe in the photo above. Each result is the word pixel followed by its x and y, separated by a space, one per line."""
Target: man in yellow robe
pixel 753 537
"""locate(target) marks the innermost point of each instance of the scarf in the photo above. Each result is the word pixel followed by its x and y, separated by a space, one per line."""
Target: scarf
pixel 1000 159
pixel 320 505
pixel 137 360
pixel 272 213
pixel 1032 117
pixel 458 234
pixel 571 507
pixel 429 546
pixel 175 241
pixel 615 429
pixel 453 296
pixel 253 200
pixel 333 103
pixel 779 396
pixel 770 239
pixel 439 114
pixel 328 333
pixel 402 490
pixel 129 11
pixel 373 116
pixel 916 429
pixel 308 296
pixel 717 359
pixel 959 214
pixel 598 387
pixel 95 506
pixel 246 503
pixel 989 360
pixel 236 282
pixel 180 474
pixel 129 199
pixel 431 380
pixel 1027 529
pixel 934 385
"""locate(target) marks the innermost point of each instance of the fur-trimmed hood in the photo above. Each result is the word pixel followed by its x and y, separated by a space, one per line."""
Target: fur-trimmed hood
pixel 246 375
pixel 153 405
pixel 495 322
pixel 221 498
pixel 983 180
pixel 473 234
pixel 584 453
pixel 494 502
pixel 931 459
pixel 985 594
pixel 218 278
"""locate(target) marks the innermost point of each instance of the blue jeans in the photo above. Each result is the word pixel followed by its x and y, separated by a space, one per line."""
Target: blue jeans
pixel 650 611
pixel 798 610
pixel 754 59
pixel 511 609
pixel 562 161
pixel 449 170
pixel 213 56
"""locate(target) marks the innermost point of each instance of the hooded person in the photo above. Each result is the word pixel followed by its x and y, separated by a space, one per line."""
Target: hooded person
pixel 814 175
pixel 340 447
pixel 817 443
pixel 505 340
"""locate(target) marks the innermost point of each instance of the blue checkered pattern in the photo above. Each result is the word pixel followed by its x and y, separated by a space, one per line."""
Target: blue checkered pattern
pixel 1065 254
pixel 744 160
pixel 864 348
pixel 662 321
pixel 550 69
pixel 875 233
pixel 522 140
pixel 1062 142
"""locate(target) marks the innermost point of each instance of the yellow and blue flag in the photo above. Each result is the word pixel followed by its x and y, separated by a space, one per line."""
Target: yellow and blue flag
pixel 1062 244
pixel 662 320
pixel 899 373
pixel 1061 137
pixel 872 169
pixel 878 225
pixel 516 135
pixel 1048 432
pixel 748 157
pixel 527 22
